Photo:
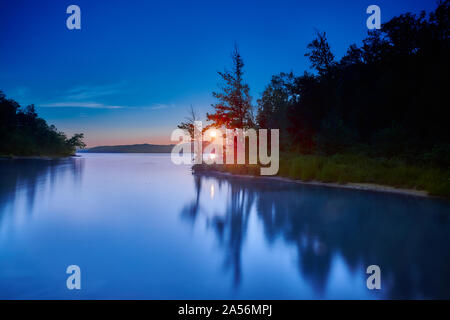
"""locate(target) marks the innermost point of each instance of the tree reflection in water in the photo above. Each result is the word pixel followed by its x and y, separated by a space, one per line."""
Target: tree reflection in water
pixel 32 174
pixel 408 237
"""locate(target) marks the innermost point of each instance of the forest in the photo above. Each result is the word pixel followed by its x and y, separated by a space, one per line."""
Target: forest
pixel 385 98
pixel 23 133
pixel 376 115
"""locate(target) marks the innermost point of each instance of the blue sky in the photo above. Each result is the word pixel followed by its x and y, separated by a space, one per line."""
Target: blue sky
pixel 131 72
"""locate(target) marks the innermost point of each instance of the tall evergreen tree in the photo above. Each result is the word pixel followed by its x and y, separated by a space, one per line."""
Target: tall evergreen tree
pixel 320 55
pixel 234 109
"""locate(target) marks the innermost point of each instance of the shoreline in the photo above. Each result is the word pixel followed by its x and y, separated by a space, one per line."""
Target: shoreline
pixel 211 172
pixel 352 186
pixel 37 157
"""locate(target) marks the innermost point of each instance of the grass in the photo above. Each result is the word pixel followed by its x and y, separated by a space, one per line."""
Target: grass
pixel 348 168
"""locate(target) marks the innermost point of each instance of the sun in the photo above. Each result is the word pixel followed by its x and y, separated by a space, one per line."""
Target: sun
pixel 213 133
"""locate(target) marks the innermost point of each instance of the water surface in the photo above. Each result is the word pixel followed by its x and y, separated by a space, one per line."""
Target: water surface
pixel 140 227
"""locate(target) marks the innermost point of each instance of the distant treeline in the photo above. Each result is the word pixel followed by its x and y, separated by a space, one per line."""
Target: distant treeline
pixel 134 148
pixel 23 133
pixel 386 98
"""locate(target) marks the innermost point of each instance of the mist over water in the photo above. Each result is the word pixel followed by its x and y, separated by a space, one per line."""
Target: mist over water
pixel 141 227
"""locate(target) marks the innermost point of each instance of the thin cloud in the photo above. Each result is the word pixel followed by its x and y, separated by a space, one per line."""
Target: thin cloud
pixel 160 106
pixel 91 92
pixel 83 95
pixel 90 105
pixel 157 106
pixel 96 105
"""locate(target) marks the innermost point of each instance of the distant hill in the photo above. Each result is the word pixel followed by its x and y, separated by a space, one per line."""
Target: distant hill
pixel 134 148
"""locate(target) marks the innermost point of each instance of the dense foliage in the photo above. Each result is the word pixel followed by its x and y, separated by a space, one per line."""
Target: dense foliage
pixel 23 133
pixel 386 98
pixel 234 107
pixel 375 116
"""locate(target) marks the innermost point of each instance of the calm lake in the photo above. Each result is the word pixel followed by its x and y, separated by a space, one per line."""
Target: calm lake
pixel 141 227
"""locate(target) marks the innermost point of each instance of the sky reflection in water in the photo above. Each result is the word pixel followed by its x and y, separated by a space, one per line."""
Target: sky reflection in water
pixel 141 227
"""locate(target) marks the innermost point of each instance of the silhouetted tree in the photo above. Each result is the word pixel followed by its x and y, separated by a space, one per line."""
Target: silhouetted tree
pixel 320 55
pixel 22 132
pixel 275 104
pixel 386 98
pixel 188 125
pixel 234 108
